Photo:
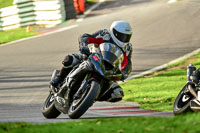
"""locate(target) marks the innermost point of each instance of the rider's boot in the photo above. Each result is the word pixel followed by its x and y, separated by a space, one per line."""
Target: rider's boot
pixel 68 63
pixel 60 77
pixel 117 94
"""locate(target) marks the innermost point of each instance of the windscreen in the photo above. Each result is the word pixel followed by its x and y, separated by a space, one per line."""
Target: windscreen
pixel 111 53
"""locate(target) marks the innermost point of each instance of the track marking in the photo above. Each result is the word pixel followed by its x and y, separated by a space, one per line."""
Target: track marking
pixel 132 112
pixel 116 111
pixel 112 108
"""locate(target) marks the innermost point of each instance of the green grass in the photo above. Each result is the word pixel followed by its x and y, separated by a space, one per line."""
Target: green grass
pixel 15 34
pixel 179 124
pixel 5 3
pixel 159 92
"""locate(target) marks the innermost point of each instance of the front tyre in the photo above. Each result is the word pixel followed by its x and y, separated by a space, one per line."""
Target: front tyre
pixel 80 106
pixel 182 102
pixel 49 110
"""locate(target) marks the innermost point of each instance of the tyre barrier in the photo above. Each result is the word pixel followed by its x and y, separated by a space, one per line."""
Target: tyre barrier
pixel 33 12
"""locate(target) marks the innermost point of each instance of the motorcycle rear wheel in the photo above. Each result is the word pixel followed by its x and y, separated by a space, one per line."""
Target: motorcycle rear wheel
pixel 77 109
pixel 49 110
pixel 182 102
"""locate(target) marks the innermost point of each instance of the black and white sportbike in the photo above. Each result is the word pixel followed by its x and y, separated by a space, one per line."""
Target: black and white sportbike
pixel 188 99
pixel 86 83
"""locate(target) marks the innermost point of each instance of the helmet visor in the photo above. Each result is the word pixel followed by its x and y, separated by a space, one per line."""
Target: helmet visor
pixel 121 36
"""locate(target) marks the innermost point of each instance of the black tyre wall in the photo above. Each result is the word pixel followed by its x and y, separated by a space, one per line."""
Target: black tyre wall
pixel 87 101
pixel 186 108
pixel 51 111
pixel 69 9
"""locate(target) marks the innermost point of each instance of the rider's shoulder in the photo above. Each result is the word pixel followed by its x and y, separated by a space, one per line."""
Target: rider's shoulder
pixel 103 32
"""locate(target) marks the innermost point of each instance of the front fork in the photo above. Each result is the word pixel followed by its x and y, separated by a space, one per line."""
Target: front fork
pixel 77 73
pixel 82 88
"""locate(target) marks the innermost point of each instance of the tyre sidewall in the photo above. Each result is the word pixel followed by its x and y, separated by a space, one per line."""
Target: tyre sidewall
pixel 51 111
pixel 185 108
pixel 87 101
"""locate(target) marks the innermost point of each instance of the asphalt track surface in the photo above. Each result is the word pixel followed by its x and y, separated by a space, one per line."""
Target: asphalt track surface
pixel 162 32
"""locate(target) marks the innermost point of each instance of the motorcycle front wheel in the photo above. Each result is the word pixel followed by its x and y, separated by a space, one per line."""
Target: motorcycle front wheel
pixel 182 102
pixel 49 110
pixel 79 106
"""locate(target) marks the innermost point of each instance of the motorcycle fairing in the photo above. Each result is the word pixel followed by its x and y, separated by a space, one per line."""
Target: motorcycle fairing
pixel 112 54
pixel 97 63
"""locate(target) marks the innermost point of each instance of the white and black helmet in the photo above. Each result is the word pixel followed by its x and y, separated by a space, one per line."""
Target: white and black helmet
pixel 121 32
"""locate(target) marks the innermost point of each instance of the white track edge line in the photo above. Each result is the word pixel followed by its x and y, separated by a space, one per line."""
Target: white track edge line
pixel 56 31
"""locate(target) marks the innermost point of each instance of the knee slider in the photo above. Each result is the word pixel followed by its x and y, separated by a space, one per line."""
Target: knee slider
pixel 68 60
pixel 117 93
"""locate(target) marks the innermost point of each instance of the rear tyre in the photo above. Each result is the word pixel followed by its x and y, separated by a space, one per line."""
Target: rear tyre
pixel 182 102
pixel 80 106
pixel 49 110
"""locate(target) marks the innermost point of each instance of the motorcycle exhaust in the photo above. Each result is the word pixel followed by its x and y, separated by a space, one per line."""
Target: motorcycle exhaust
pixel 191 90
pixel 195 105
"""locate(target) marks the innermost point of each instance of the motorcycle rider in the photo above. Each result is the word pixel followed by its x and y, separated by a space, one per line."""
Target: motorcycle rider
pixel 120 34
pixel 196 76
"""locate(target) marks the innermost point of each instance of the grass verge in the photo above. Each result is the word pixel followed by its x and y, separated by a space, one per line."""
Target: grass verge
pixel 15 34
pixel 5 3
pixel 159 90
pixel 179 124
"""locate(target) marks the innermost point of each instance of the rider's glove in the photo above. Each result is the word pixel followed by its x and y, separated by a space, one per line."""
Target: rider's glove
pixel 84 50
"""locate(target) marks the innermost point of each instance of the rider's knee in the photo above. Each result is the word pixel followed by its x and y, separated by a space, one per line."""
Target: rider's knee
pixel 117 93
pixel 71 61
pixel 68 60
